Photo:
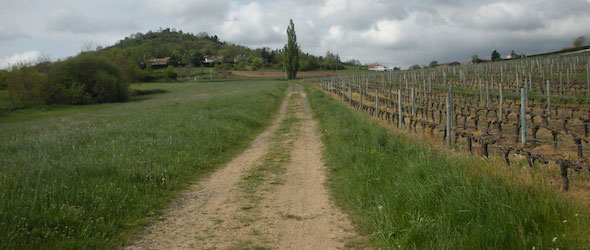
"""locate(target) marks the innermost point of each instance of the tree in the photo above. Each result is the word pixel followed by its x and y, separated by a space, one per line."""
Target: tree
pixel 353 62
pixel 433 64
pixel 496 56
pixel 579 41
pixel 415 67
pixel 264 54
pixel 256 63
pixel 291 52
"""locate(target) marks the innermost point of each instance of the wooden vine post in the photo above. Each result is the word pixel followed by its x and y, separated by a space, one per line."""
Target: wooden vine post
pixel 400 117
pixel 588 79
pixel 413 104
pixel 449 126
pixel 376 101
pixel 487 94
pixel 350 94
pixel 361 95
pixel 523 116
pixel 548 98
pixel 500 108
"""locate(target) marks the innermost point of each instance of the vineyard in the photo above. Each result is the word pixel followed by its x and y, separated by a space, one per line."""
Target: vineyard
pixel 537 109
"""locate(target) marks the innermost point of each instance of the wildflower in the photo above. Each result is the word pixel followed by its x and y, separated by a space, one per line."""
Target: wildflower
pixel 554 239
pixel 577 215
pixel 564 221
pixel 380 207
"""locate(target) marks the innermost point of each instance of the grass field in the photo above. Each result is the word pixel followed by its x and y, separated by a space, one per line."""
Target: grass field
pixel 406 196
pixel 86 177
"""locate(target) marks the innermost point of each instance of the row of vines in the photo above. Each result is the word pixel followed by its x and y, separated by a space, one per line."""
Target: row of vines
pixel 536 108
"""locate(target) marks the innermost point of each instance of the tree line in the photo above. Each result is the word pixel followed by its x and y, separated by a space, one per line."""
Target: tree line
pixel 102 74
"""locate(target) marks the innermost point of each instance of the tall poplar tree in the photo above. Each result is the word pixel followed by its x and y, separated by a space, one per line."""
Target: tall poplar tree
pixel 291 52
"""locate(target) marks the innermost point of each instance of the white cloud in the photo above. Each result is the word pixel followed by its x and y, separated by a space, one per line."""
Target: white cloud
pixel 249 24
pixel 16 58
pixel 386 33
pixel 332 7
pixel 359 15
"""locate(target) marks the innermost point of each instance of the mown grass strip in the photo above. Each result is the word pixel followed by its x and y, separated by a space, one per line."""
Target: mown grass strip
pixel 89 179
pixel 278 154
pixel 410 197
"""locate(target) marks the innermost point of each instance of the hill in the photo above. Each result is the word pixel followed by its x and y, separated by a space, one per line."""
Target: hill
pixel 136 52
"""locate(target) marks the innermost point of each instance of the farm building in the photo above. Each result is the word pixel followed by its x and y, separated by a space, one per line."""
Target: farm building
pixel 212 59
pixel 512 55
pixel 377 67
pixel 159 62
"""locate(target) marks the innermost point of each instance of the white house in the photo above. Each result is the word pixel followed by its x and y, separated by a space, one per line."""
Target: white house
pixel 377 67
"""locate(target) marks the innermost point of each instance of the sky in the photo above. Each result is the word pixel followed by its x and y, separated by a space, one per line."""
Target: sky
pixel 390 32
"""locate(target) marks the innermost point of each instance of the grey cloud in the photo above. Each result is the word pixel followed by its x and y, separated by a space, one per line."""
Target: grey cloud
pixel 553 10
pixel 187 11
pixel 9 34
pixel 511 16
pixel 80 24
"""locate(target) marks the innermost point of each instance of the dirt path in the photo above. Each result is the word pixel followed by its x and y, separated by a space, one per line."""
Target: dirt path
pixel 270 196
pixel 308 220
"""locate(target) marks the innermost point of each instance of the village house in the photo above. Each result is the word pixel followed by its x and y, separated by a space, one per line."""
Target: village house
pixel 377 67
pixel 159 62
pixel 211 60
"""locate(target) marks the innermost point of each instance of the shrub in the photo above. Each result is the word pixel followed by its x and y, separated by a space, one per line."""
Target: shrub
pixel 256 63
pixel 170 73
pixel 3 77
pixel 24 84
pixel 87 78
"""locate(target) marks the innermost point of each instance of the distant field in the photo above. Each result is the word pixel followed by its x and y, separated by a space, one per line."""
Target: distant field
pixel 302 74
pixel 84 177
pixel 280 74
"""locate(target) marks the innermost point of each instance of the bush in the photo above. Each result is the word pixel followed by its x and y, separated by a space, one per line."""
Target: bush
pixel 256 63
pixel 171 74
pixel 87 78
pixel 3 77
pixel 24 84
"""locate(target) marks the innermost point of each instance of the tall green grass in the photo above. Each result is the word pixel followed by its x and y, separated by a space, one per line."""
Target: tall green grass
pixel 407 196
pixel 89 179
